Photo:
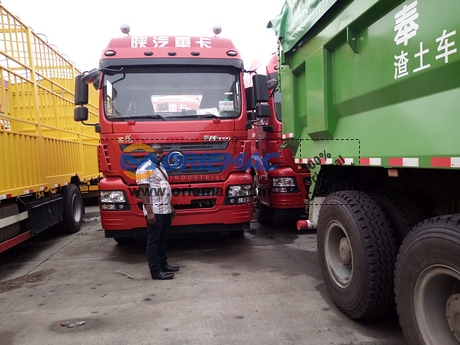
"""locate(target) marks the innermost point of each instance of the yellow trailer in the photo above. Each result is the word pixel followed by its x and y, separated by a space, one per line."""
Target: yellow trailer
pixel 46 158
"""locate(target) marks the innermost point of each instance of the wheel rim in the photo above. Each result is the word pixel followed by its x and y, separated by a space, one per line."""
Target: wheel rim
pixel 339 254
pixel 77 208
pixel 437 305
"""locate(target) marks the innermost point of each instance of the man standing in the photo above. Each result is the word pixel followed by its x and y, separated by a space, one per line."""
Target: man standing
pixel 156 196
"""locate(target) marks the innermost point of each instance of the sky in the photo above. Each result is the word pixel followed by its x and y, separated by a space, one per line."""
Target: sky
pixel 82 29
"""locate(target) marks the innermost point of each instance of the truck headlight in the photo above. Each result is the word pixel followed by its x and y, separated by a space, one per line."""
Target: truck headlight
pixel 239 194
pixel 114 200
pixel 112 196
pixel 240 190
pixel 284 185
pixel 283 182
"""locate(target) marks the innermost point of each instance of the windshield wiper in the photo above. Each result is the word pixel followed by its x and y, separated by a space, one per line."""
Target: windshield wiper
pixel 142 117
pixel 160 116
pixel 205 116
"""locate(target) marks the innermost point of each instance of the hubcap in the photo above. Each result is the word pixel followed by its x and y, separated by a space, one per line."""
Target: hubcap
pixel 345 252
pixel 338 254
pixel 437 305
pixel 77 208
pixel 453 315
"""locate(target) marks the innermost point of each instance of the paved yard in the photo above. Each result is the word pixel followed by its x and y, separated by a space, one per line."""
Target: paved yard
pixel 263 288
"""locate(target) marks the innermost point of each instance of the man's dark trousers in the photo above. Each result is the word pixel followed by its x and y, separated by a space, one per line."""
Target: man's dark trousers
pixel 157 242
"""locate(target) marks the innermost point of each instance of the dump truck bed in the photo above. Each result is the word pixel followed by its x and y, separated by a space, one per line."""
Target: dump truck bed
pixel 375 82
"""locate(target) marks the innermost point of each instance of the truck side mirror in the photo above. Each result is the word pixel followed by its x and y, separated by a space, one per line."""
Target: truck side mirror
pixel 80 114
pixel 263 110
pixel 81 90
pixel 250 103
pixel 92 77
pixel 272 84
pixel 259 83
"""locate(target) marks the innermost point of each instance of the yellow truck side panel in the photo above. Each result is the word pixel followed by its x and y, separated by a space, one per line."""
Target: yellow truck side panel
pixel 41 146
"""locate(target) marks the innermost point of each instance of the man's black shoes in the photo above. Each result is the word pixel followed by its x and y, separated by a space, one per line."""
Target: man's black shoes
pixel 169 268
pixel 166 272
pixel 163 275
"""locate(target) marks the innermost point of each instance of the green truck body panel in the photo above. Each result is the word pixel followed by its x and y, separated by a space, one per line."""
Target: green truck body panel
pixel 374 82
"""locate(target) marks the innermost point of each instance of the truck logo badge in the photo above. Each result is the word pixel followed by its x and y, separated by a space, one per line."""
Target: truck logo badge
pixel 176 160
pixel 215 137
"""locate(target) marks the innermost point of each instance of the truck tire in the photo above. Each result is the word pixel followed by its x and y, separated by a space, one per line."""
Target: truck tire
pixel 404 211
pixel 357 252
pixel 124 241
pixel 265 214
pixel 236 234
pixel 427 283
pixel 73 209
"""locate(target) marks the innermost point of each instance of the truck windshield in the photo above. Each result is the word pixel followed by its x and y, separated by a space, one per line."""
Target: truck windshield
pixel 163 93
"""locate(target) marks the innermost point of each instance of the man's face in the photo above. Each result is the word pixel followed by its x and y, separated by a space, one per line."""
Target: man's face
pixel 158 154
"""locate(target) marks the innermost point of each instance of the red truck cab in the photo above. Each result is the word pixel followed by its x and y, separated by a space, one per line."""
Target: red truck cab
pixel 282 185
pixel 185 93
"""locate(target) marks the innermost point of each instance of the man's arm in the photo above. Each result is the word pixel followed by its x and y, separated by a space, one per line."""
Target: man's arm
pixel 145 197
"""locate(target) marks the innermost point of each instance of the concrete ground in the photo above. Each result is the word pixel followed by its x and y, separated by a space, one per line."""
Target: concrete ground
pixel 263 288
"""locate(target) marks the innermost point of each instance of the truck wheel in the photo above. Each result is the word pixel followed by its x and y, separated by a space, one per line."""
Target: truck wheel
pixel 357 251
pixel 427 283
pixel 73 209
pixel 236 233
pixel 403 211
pixel 123 241
pixel 265 214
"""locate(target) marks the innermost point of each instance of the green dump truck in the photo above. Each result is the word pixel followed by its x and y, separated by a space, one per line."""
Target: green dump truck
pixel 370 95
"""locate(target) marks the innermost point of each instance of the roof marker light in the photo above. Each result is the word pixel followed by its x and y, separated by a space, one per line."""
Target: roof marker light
pixel 195 53
pixel 232 53
pixel 125 29
pixel 172 53
pixel 110 53
pixel 217 29
pixel 148 53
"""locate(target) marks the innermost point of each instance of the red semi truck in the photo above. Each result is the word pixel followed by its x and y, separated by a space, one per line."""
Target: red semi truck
pixel 185 93
pixel 282 185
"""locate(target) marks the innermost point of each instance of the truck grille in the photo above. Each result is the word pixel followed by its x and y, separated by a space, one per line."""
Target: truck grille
pixel 191 146
pixel 200 157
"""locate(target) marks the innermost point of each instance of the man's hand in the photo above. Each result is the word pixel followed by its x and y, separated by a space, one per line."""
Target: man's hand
pixel 151 218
